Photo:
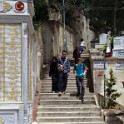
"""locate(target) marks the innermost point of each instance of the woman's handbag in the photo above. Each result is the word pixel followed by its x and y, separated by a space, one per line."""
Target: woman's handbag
pixel 61 67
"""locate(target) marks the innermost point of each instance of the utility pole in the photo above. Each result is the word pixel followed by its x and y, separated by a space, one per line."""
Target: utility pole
pixel 115 17
pixel 104 81
pixel 65 43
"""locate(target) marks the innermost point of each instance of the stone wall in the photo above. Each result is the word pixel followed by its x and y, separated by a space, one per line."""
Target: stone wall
pixel 113 116
pixel 91 36
pixel 53 39
pixel 82 29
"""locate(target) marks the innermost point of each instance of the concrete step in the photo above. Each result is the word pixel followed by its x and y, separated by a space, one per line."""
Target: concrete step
pixel 69 81
pixel 70 73
pixel 71 114
pixel 47 94
pixel 66 102
pixel 65 95
pixel 64 98
pixel 69 108
pixel 72 123
pixel 68 87
pixel 69 77
pixel 71 89
pixel 68 119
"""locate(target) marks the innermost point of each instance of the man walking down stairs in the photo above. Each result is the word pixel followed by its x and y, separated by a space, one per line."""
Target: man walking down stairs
pixel 67 109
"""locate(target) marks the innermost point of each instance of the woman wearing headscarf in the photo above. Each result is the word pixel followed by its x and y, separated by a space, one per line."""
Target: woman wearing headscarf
pixel 53 72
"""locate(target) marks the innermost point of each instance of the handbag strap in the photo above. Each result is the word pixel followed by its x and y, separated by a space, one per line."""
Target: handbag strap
pixel 64 61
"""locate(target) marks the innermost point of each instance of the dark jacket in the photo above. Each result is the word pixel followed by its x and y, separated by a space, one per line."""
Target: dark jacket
pixel 53 68
pixel 76 53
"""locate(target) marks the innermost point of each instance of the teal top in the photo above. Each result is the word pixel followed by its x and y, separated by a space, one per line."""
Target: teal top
pixel 79 70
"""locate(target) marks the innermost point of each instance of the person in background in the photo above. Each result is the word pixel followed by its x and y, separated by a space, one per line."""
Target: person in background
pixel 80 73
pixel 63 75
pixel 76 54
pixel 53 72
pixel 82 47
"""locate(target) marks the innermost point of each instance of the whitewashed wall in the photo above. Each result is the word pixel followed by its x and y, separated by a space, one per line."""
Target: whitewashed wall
pixel 12 111
pixel 98 75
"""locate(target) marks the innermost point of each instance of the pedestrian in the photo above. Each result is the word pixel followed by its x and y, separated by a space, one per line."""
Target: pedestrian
pixel 64 72
pixel 82 46
pixel 53 72
pixel 76 54
pixel 80 69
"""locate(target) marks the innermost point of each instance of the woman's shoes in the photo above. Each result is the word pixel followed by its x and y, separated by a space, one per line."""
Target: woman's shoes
pixel 54 91
pixel 60 93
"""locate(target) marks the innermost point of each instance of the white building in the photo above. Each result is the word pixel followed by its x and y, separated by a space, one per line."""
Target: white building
pixel 17 74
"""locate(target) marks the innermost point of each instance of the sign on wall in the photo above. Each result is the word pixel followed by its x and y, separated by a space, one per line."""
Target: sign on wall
pixel 5 6
pixel 118 53
pixel 119 66
pixel 118 43
pixel 10 62
pixel 98 65
pixel 19 6
pixel 13 7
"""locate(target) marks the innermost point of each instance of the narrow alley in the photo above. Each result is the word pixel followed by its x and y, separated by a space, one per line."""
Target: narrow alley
pixel 67 108
pixel 33 32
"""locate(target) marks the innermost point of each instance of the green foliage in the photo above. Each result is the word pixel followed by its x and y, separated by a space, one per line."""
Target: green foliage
pixel 104 48
pixel 111 93
pixel 41 10
pixel 101 102
pixel 105 45
pixel 100 12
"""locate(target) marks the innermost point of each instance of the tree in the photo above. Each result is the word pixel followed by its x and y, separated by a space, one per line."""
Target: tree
pixel 111 93
pixel 103 14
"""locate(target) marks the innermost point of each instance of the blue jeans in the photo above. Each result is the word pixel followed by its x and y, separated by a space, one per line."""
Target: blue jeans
pixel 81 49
pixel 80 86
pixel 62 84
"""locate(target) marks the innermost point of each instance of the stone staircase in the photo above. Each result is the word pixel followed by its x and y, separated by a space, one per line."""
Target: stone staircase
pixel 67 109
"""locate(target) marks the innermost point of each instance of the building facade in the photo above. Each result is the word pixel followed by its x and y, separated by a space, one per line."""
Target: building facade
pixel 19 71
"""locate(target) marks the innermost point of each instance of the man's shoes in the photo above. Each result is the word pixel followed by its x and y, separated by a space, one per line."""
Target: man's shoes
pixel 81 98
